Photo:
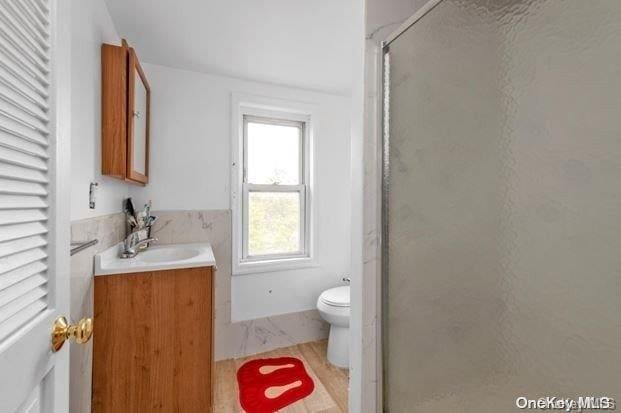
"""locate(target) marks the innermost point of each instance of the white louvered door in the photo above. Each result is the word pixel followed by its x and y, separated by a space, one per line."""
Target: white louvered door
pixel 34 283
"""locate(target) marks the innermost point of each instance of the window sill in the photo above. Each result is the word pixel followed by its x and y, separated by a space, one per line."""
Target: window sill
pixel 255 267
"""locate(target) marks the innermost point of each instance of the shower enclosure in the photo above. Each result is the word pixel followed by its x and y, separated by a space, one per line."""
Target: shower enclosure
pixel 502 205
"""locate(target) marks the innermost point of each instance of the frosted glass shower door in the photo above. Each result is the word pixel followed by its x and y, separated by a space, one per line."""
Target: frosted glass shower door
pixel 502 205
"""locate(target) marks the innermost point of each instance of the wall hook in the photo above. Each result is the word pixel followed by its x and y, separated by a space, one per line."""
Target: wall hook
pixel 91 194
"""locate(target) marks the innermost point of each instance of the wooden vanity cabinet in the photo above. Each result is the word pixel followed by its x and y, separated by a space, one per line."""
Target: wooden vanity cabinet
pixel 153 341
pixel 125 112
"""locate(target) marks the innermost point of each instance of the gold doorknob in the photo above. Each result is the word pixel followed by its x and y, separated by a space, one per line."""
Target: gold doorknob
pixel 64 331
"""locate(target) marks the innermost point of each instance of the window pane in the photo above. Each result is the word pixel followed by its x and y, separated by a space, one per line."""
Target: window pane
pixel 273 154
pixel 273 223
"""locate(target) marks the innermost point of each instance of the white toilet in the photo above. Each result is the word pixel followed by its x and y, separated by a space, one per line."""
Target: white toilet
pixel 333 305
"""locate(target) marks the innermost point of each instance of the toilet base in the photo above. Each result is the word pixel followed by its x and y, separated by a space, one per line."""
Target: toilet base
pixel 338 346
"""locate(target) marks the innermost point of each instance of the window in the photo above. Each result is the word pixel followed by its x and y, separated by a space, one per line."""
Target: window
pixel 272 200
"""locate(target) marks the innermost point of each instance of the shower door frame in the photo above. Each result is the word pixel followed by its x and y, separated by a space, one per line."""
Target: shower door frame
pixel 384 121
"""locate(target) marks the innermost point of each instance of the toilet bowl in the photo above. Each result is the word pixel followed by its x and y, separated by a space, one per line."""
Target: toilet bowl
pixel 334 308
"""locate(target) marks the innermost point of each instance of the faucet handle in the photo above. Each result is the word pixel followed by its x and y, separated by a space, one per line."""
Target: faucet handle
pixel 130 238
pixel 346 280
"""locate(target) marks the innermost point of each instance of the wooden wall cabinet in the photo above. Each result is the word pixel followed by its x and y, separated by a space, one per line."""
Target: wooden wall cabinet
pixel 153 341
pixel 125 115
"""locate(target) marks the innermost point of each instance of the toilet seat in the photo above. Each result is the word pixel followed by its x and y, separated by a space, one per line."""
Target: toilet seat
pixel 336 297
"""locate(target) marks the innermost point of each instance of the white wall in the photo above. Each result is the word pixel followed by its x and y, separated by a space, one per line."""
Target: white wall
pixel 190 170
pixel 91 26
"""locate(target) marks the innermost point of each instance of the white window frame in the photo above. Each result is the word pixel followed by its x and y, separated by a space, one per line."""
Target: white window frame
pixel 251 108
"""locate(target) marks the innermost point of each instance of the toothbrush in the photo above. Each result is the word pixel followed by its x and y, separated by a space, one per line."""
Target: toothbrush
pixel 147 213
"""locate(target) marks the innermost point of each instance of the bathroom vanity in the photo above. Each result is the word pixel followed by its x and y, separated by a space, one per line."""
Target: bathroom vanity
pixel 153 338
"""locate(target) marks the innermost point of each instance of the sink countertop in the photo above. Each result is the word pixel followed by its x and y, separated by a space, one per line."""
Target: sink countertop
pixel 156 258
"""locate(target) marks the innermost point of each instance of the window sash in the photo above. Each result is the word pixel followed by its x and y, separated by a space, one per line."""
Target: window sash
pixel 300 189
pixel 301 125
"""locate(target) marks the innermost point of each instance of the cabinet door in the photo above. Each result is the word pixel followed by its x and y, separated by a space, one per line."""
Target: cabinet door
pixel 138 122
pixel 153 347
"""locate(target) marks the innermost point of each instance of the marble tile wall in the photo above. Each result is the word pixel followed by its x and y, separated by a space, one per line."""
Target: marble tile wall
pixel 245 337
pixel 109 230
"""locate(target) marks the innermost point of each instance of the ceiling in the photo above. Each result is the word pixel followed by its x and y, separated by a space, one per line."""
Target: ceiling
pixel 301 43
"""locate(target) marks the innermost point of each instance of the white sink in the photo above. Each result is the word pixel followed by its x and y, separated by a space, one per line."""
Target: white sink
pixel 168 253
pixel 156 258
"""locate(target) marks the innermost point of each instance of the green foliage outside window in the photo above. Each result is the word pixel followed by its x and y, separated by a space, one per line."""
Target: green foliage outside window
pixel 274 222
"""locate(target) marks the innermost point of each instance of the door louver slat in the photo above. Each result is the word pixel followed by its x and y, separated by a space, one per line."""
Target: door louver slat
pixel 20 174
pixel 22 36
pixel 22 85
pixel 24 157
pixel 21 273
pixel 15 261
pixel 21 216
pixel 21 231
pixel 30 297
pixel 20 158
pixel 38 24
pixel 22 244
pixel 11 142
pixel 22 101
pixel 13 53
pixel 13 127
pixel 24 72
pixel 21 188
pixel 29 122
pixel 21 202
pixel 20 114
pixel 30 23
pixel 41 9
pixel 21 288
pixel 24 315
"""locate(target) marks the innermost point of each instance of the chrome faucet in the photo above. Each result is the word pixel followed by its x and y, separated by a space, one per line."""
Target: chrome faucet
pixel 131 245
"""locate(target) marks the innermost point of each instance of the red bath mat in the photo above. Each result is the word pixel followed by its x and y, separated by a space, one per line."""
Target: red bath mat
pixel 268 385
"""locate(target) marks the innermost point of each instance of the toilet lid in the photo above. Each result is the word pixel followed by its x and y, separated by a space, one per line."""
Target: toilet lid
pixel 337 297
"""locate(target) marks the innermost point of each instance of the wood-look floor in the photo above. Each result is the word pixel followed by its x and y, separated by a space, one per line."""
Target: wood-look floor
pixel 331 383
